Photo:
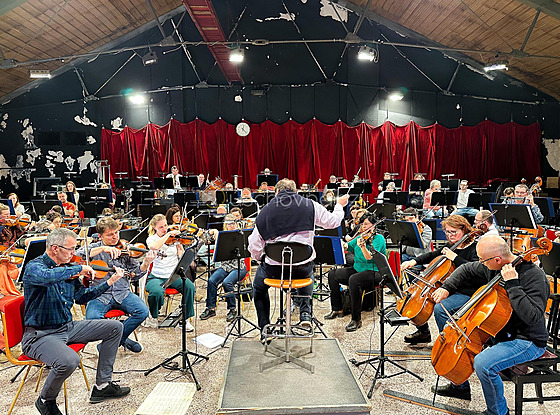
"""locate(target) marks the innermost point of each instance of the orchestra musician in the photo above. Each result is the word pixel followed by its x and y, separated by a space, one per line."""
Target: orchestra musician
pixel 227 274
pixel 246 195
pixel 237 213
pixel 165 262
pixel 173 216
pixel 362 276
pixel 19 209
pixel 332 179
pixel 557 235
pixel 71 188
pixel 49 297
pixel 522 196
pixel 10 233
pixel 454 227
pixel 8 270
pixel 524 337
pixel 435 186
pixel 391 187
pixel 263 187
pixel 68 207
pixel 463 200
pixel 201 181
pixel 386 176
pixel 288 217
pixel 175 176
pixel 118 296
pixel 486 218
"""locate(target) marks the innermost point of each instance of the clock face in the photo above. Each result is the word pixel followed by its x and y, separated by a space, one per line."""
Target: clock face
pixel 243 129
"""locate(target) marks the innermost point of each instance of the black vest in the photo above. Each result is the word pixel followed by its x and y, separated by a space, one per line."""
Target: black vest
pixel 287 213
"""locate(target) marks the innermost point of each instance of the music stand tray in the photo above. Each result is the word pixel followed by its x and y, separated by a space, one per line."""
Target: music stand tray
pixel 41 207
pixel 419 185
pixel 513 215
pixel 452 185
pixel 396 198
pixel 180 272
pixel 328 251
pixel 270 179
pixel 480 200
pixel 404 233
pixel 444 198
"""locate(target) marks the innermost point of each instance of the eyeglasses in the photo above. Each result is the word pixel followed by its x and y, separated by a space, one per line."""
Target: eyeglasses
pixel 450 233
pixel 73 249
pixel 487 259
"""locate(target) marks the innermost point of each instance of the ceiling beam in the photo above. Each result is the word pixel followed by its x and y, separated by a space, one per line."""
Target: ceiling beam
pixel 546 6
pixel 204 17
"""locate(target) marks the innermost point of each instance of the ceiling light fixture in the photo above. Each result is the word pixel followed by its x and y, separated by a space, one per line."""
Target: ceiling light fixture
pixel 137 99
pixel 396 96
pixel 149 58
pixel 39 73
pixel 236 55
pixel 496 66
pixel 366 53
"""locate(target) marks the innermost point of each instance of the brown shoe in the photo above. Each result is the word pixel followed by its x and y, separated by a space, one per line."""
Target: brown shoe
pixel 333 314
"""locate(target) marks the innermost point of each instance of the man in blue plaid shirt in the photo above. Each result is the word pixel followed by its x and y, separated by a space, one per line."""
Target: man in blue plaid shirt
pixel 50 291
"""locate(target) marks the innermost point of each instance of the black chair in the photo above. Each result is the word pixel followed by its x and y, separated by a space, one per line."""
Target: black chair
pixel 287 254
pixel 541 370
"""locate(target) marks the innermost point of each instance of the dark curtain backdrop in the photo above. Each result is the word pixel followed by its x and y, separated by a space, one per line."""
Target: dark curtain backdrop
pixel 311 151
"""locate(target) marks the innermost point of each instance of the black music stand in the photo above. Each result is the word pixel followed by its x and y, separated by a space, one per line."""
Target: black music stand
pixel 480 199
pixel 233 245
pixel 404 233
pixel 332 186
pixel 546 206
pixel 41 207
pixel 313 195
pixel 225 196
pixel 191 182
pixel 387 210
pixel 186 367
pixel 419 185
pixel 451 185
pixel 444 198
pixel 96 200
pixel 512 216
pixel 396 198
pixel 328 250
pixel 398 183
pixel 184 198
pixel 247 208
pixel 387 280
pixel 551 263
pixel 264 197
pixel 270 179
pixel 34 249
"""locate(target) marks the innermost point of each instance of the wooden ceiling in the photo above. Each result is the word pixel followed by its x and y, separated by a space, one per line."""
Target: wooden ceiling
pixel 500 26
pixel 496 30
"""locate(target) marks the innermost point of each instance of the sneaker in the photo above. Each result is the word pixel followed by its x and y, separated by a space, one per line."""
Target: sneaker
pixel 206 314
pixel 189 327
pixel 111 391
pixel 47 407
pixel 453 391
pixel 418 337
pixel 354 325
pixel 133 346
pixel 305 319
pixel 151 322
pixel 232 313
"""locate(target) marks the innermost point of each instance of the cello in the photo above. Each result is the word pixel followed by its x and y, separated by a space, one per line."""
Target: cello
pixel 482 317
pixel 417 304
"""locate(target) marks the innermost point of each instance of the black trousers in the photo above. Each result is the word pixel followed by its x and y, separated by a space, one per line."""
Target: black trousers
pixel 357 282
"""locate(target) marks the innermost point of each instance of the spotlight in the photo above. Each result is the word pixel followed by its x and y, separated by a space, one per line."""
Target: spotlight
pixel 236 55
pixel 39 73
pixel 496 66
pixel 396 96
pixel 365 53
pixel 137 99
pixel 149 58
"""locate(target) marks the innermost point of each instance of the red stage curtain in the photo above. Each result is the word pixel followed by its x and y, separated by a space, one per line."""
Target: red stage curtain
pixel 312 151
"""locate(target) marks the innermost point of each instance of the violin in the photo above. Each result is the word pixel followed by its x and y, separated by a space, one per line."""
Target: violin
pixel 182 238
pixel 133 250
pixel 417 303
pixel 482 317
pixel 13 220
pixel 12 255
pixel 100 267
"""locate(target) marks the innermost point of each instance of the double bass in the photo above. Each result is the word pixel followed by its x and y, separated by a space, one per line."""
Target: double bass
pixel 482 317
pixel 417 304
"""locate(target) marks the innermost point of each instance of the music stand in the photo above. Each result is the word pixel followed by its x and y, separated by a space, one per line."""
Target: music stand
pixel 387 210
pixel 404 233
pixel 332 186
pixel 95 201
pixel 312 195
pixel 396 198
pixel 328 251
pixel 41 207
pixel 512 216
pixel 225 196
pixel 398 183
pixel 202 220
pixel 190 182
pixel 216 222
pixel 270 179
pixel 419 185
pixel 159 183
pixel 186 367
pixel 247 208
pixel 480 200
pixel 264 197
pixel 551 263
pixel 387 280
pixel 233 245
pixel 34 249
pixel 444 198
pixel 450 184
pixel 341 191
pixel 546 206
pixel 184 198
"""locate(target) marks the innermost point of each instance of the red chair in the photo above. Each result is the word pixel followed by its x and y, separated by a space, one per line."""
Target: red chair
pixel 170 293
pixel 12 319
pixel 116 315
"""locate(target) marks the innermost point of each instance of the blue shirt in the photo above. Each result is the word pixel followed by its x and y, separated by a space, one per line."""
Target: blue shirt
pixel 50 294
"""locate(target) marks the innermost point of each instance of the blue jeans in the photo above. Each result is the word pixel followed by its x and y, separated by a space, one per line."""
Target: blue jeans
pixel 260 289
pixel 228 281
pixel 492 360
pixel 131 305
pixel 465 211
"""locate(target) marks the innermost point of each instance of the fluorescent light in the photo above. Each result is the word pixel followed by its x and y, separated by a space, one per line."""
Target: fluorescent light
pixel 149 58
pixel 236 55
pixel 39 73
pixel 396 96
pixel 365 53
pixel 496 66
pixel 137 99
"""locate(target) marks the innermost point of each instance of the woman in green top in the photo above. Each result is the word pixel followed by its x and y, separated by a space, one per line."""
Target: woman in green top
pixel 362 276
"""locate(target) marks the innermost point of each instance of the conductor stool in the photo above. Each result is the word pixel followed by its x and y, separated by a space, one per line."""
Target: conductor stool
pixel 287 254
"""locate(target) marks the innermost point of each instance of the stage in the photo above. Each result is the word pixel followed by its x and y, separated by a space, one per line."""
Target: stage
pixel 288 389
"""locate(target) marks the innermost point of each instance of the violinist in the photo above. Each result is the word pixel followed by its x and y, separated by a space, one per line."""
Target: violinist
pixel 246 195
pixel 19 209
pixel 118 296
pixel 71 188
pixel 173 216
pixel 237 213
pixel 355 222
pixel 11 231
pixel 69 208
pixel 227 274
pixel 522 196
pixel 362 276
pixel 485 220
pixel 8 271
pixel 454 227
pixel 524 337
pixel 49 296
pixel 409 252
pixel 164 264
